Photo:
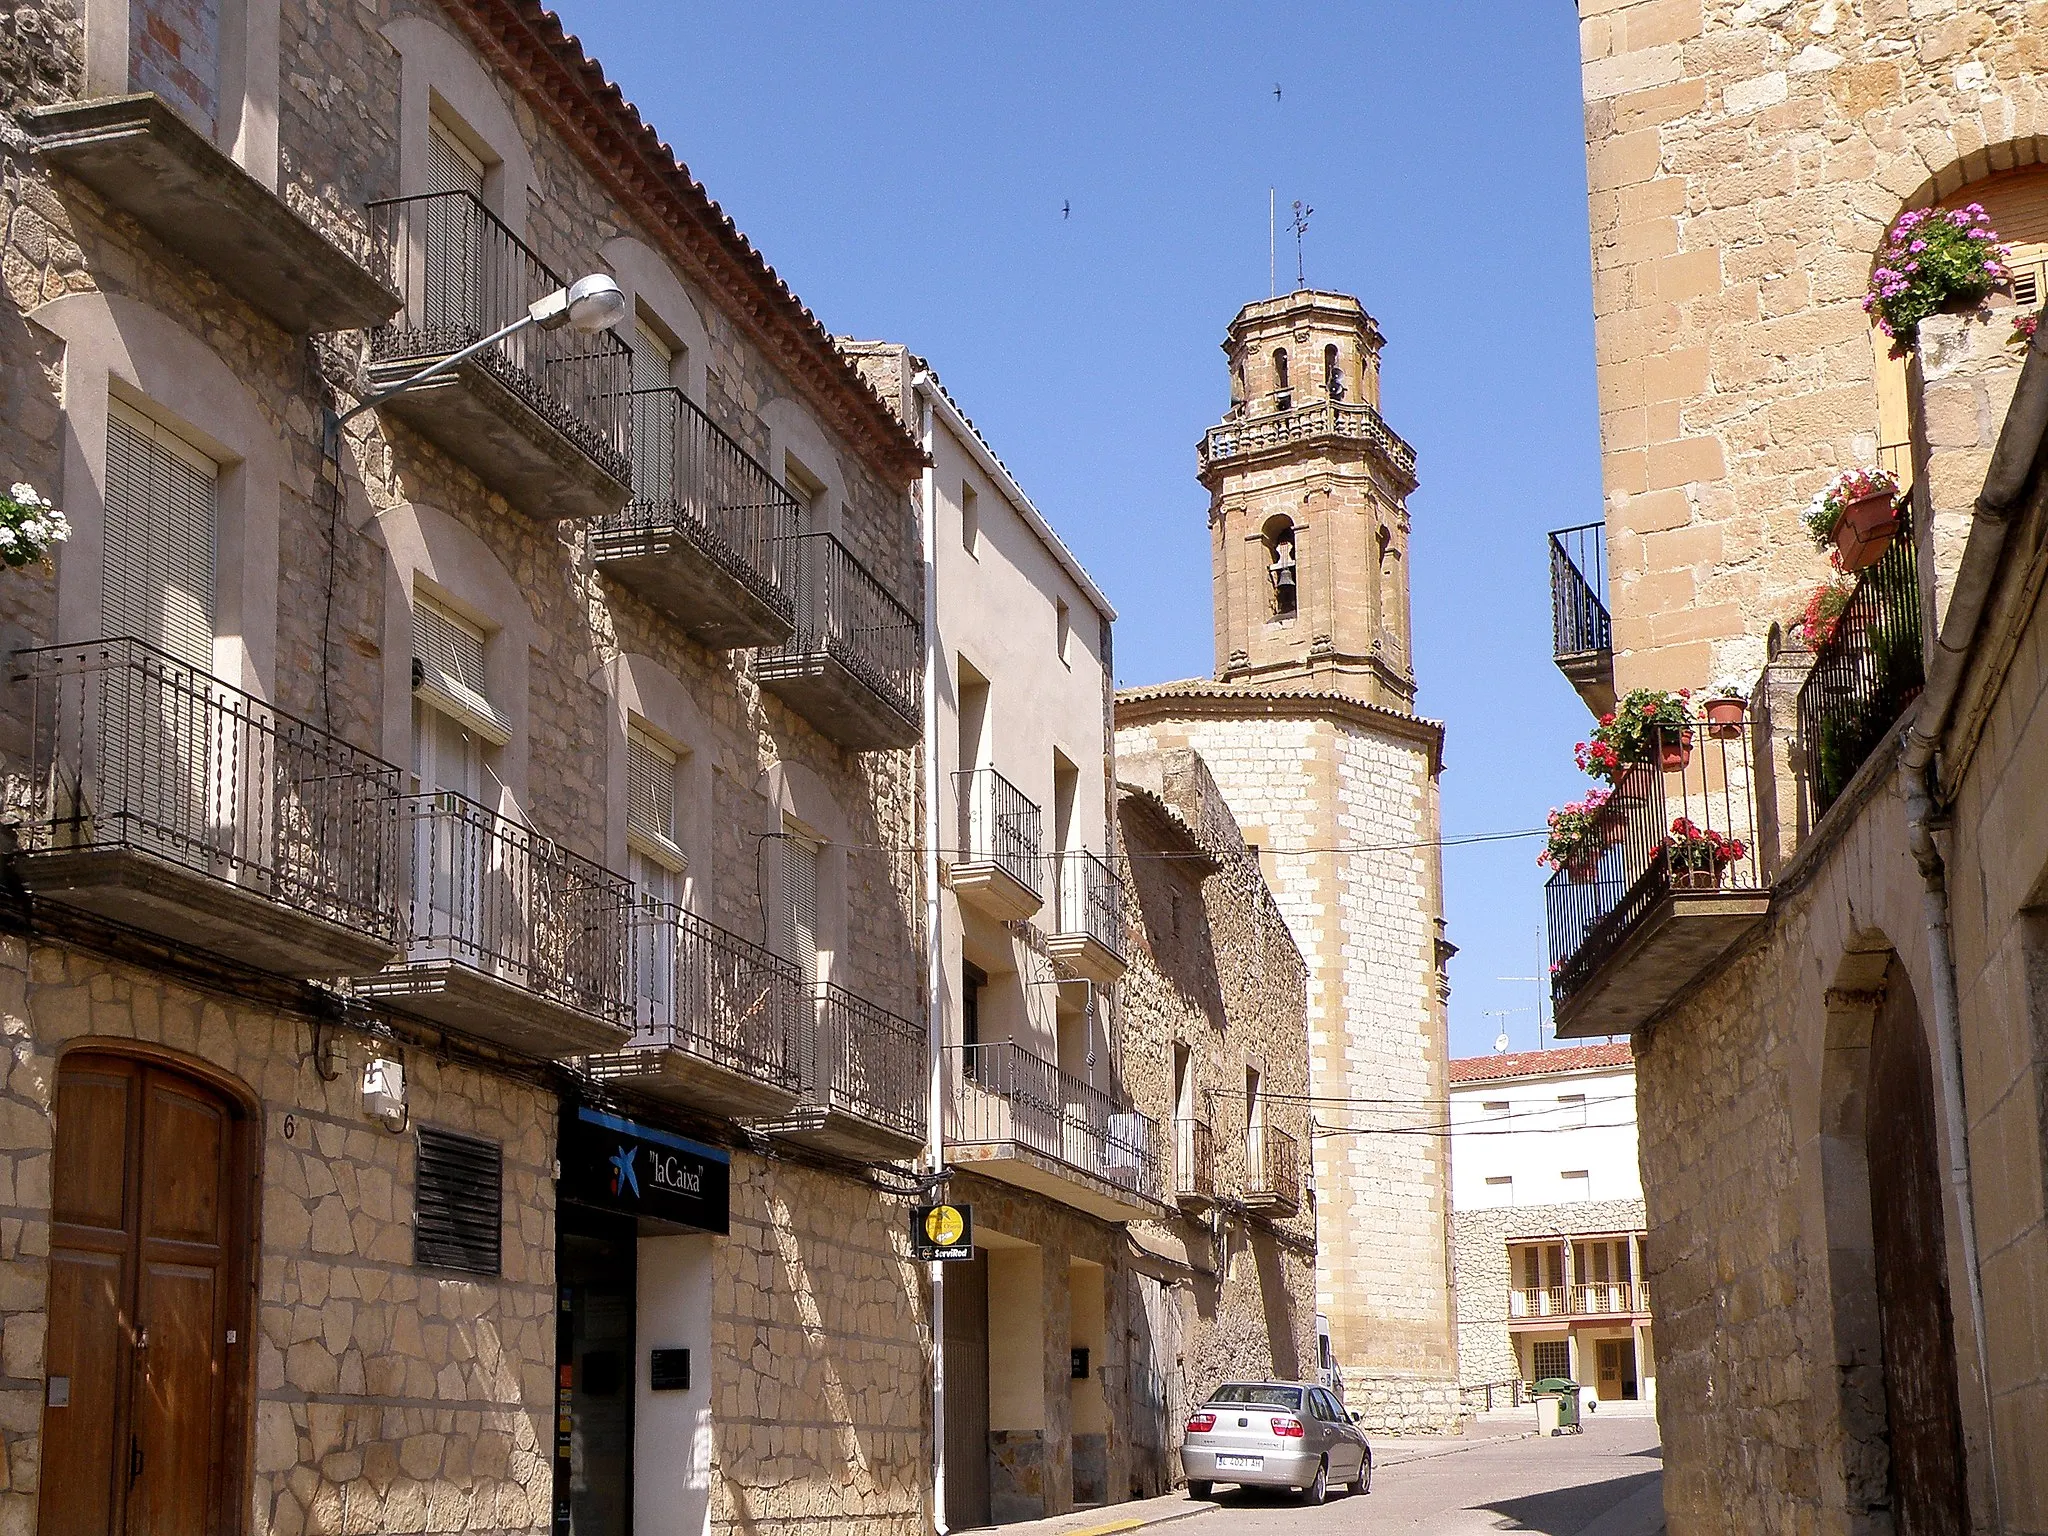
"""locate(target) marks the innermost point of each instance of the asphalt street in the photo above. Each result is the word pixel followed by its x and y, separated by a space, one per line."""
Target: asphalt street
pixel 1558 1486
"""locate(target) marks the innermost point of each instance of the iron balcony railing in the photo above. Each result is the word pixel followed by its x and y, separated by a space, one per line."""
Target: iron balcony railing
pixel 844 612
pixel 690 476
pixel 1579 623
pixel 864 1061
pixel 1693 778
pixel 498 898
pixel 464 274
pixel 135 749
pixel 1194 1160
pixel 1864 675
pixel 1272 1165
pixel 1318 418
pixel 1091 900
pixel 999 826
pixel 1003 1093
pixel 714 995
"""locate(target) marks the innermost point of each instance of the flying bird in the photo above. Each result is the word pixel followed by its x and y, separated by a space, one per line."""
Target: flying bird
pixel 1066 210
pixel 1276 93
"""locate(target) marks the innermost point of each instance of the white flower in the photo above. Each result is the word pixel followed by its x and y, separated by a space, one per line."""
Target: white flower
pixel 7 537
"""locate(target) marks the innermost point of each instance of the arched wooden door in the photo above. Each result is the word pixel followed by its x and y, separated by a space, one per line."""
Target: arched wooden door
pixel 148 1302
pixel 1928 1490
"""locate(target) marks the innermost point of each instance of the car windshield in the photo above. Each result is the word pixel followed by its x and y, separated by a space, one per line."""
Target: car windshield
pixel 1259 1395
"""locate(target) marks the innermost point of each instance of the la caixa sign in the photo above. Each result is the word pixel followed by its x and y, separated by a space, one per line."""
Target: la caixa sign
pixel 640 1170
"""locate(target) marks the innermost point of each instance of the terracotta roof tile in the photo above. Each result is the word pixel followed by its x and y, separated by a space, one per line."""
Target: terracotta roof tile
pixel 1565 1058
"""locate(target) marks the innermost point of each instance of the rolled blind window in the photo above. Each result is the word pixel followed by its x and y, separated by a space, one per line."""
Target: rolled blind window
pixel 157 578
pixel 448 670
pixel 651 799
pixel 796 910
pixel 451 167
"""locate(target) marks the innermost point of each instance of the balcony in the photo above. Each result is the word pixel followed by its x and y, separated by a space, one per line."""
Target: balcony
pixel 1632 932
pixel 510 938
pixel 999 869
pixel 168 802
pixel 1545 1303
pixel 861 1081
pixel 1863 676
pixel 542 415
pixel 1272 1171
pixel 704 536
pixel 1014 1116
pixel 1194 1164
pixel 855 664
pixel 717 1020
pixel 1582 635
pixel 147 161
pixel 1090 933
pixel 1245 438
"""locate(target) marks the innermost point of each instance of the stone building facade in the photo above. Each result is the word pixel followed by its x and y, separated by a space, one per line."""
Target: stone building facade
pixel 1309 729
pixel 1841 1068
pixel 446 795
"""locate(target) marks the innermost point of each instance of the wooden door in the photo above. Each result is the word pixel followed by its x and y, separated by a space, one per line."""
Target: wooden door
pixel 1608 1382
pixel 1922 1408
pixel 966 1427
pixel 149 1215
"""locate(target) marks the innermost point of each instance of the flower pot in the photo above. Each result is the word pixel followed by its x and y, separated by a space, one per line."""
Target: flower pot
pixel 1672 755
pixel 1864 531
pixel 1724 719
pixel 1696 879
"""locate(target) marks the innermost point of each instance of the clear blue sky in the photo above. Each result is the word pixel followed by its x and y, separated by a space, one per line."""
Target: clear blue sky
pixel 904 168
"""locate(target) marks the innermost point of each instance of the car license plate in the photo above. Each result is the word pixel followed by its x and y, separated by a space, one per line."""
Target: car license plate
pixel 1239 1463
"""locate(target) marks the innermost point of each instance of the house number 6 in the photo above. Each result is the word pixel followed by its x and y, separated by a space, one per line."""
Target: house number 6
pixel 291 1127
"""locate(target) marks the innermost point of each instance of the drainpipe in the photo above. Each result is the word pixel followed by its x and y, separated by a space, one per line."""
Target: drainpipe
pixel 935 958
pixel 2005 486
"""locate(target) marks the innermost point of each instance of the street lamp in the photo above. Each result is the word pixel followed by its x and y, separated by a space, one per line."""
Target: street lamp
pixel 587 306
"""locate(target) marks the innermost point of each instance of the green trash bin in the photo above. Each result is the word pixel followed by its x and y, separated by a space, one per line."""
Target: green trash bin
pixel 1566 1391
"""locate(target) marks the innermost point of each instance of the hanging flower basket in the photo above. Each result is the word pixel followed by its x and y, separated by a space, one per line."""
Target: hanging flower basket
pixel 1578 838
pixel 1864 530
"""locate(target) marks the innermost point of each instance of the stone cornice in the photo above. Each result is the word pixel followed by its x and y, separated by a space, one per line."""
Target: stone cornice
pixel 1223 701
pixel 525 42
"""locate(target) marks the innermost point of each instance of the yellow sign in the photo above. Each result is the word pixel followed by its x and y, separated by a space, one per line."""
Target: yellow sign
pixel 943 1226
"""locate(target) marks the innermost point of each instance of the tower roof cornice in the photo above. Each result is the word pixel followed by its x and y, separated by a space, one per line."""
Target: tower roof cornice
pixel 1304 306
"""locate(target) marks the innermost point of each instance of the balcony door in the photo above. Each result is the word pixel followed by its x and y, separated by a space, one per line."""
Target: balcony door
pixel 793 934
pixel 156 738
pixel 148 1303
pixel 655 419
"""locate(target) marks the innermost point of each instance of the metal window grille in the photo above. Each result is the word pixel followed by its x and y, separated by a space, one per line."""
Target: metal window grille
pixel 1550 1357
pixel 458 1203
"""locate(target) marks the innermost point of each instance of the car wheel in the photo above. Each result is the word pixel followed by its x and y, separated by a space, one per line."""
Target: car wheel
pixel 1318 1490
pixel 1363 1482
pixel 1199 1487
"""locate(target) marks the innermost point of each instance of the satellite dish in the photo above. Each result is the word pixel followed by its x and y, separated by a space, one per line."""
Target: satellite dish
pixel 1500 1042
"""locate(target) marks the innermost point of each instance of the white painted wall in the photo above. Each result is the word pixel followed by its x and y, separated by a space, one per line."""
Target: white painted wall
pixel 1538 1138
pixel 672 1448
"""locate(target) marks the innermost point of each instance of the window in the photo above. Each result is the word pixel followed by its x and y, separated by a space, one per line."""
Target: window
pixel 452 166
pixel 448 669
pixel 1283 393
pixel 158 571
pixel 1580 1179
pixel 655 449
pixel 651 800
pixel 793 923
pixel 1503 1181
pixel 1063 629
pixel 1496 1106
pixel 970 519
pixel 1333 373
pixel 1282 565
pixel 1572 1108
pixel 458 1203
pixel 1550 1357
pixel 973 981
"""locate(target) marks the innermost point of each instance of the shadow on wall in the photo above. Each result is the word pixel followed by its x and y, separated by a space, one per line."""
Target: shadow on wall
pixel 1563 1511
pixel 1176 921
pixel 1281 1322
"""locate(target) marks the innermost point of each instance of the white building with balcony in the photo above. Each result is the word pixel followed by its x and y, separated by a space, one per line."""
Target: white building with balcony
pixel 1547 1205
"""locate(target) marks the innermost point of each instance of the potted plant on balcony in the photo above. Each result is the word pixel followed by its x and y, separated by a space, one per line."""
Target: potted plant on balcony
pixel 1822 614
pixel 1857 512
pixel 1579 834
pixel 1933 259
pixel 1649 727
pixel 1695 856
pixel 1726 702
pixel 29 526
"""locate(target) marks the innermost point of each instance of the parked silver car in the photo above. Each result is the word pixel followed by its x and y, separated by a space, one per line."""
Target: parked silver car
pixel 1275 1434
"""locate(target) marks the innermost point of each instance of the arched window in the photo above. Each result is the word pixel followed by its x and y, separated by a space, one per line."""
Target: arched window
pixel 1333 372
pixel 1282 566
pixel 1283 393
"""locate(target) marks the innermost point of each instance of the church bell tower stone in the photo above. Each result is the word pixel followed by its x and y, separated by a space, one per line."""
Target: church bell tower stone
pixel 1308 725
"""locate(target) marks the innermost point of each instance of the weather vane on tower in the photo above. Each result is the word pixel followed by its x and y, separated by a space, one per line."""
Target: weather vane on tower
pixel 1302 213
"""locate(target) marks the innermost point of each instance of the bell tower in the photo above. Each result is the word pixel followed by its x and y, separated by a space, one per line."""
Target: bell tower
pixel 1308 517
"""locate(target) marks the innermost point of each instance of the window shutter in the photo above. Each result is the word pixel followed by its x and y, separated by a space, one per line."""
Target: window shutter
pixel 158 566
pixel 450 165
pixel 2026 287
pixel 797 907
pixel 448 669
pixel 458 1203
pixel 650 790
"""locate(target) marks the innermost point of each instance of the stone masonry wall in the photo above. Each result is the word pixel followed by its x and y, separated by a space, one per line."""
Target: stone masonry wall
pixel 1486 1350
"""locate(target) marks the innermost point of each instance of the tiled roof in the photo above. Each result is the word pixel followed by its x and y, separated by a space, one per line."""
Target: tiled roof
pixel 1200 695
pixel 1565 1058
pixel 524 38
